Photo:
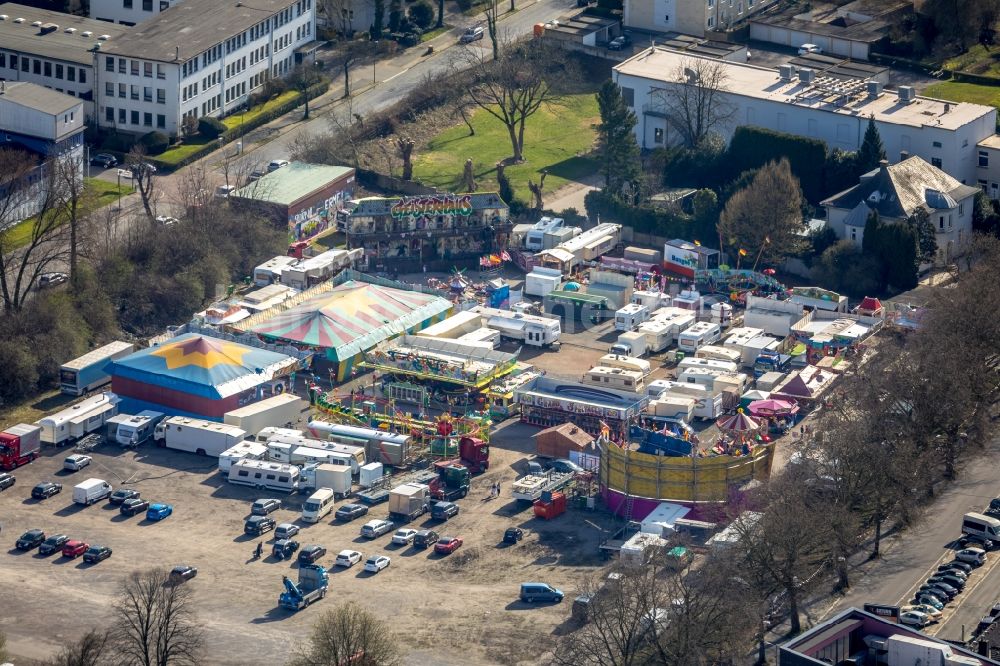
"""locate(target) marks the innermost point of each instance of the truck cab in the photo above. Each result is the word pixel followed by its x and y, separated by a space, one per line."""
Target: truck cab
pixel 475 454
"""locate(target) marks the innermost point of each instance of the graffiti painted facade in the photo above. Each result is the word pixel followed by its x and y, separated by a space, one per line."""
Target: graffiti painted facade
pixel 310 222
pixel 405 233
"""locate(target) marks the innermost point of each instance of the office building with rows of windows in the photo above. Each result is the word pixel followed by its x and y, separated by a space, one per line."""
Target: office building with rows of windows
pixel 128 12
pixel 197 59
pixel 52 49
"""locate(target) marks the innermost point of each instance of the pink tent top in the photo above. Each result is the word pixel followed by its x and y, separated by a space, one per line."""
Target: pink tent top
pixel 738 422
pixel 772 407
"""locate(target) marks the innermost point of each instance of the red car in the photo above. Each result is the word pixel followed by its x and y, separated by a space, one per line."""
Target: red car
pixel 74 548
pixel 447 545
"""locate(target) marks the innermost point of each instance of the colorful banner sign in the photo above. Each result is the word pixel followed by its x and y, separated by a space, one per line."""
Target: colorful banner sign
pixel 438 204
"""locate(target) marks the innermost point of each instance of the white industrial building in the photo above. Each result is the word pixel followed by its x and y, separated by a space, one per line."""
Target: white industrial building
pixel 690 17
pixel 52 49
pixel 835 111
pixel 128 12
pixel 198 59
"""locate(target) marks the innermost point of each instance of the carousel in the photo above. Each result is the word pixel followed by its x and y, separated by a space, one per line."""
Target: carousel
pixel 779 415
pixel 739 434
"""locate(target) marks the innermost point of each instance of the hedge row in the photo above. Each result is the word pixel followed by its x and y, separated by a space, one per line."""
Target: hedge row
pixel 235 132
pixel 645 219
pixel 753 147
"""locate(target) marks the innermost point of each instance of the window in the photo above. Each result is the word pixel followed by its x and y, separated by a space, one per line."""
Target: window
pixel 83 75
pixel 109 89
pixel 936 162
pixel 941 222
pixel 147 119
pixel 13 61
pixel 122 66
pixel 147 5
pixel 134 67
pixel 161 120
pixel 658 135
pixel 127 4
pixel 147 70
pixel 961 210
pixel 147 94
pixel 47 68
pixel 161 96
pixel 993 190
pixel 37 67
pixel 3 59
pixel 854 234
pixel 982 185
pixel 628 96
pixel 121 116
pixel 135 117
pixel 109 114
pixel 122 90
pixel 936 144
pixel 135 93
pixel 59 68
pixel 984 158
pixel 164 5
pixel 711 21
pixel 161 73
pixel 71 74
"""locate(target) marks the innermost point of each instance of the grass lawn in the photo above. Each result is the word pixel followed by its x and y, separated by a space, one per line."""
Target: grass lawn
pixel 964 92
pixel 236 119
pixel 103 191
pixel 554 139
pixel 977 60
pixel 175 154
pixel 434 32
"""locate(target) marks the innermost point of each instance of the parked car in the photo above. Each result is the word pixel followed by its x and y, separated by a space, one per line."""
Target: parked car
pixel 311 553
pixel 985 622
pixel 972 555
pixel 446 545
pixel 376 563
pixel 348 558
pixel 74 548
pixel 425 538
pixel 993 510
pixel 166 220
pixel 964 567
pixel 958 582
pixel 472 34
pixel 929 610
pixel 953 570
pixel 349 512
pixel 532 592
pixel 283 549
pixel 30 539
pixel 928 599
pixel 286 531
pixel 95 554
pixel 76 462
pixel 564 465
pixel 914 618
pixel 7 480
pixel 376 528
pixel 46 489
pixel 159 511
pixel 262 507
pixel 258 525
pixel 223 191
pixel 274 165
pixel 53 544
pixel 404 536
pixel 141 168
pixel 619 43
pixel 806 49
pixel 51 279
pixel 133 506
pixel 181 573
pixel 939 591
pixel 513 535
pixel 256 175
pixel 444 510
pixel 123 494
pixel 103 160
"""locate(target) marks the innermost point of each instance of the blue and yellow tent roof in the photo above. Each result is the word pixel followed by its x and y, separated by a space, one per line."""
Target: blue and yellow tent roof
pixel 202 365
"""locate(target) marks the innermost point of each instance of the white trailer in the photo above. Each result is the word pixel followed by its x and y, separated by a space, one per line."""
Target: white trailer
pixel 677 319
pixel 710 363
pixel 707 402
pixel 485 336
pixel 325 475
pixel 630 316
pixel 651 299
pixel 532 330
pixel 719 353
pixel 698 335
pixel 245 450
pixel 279 452
pixel 616 378
pixel 625 363
pixel 132 430
pixel 88 415
pixel 355 452
pixel 276 410
pixel 541 281
pixel 206 438
pixel 267 434
pixel 264 475
pixel 701 376
pixel 675 407
pixel 659 335
pixel 630 343
pixel 739 338
pixel 535 238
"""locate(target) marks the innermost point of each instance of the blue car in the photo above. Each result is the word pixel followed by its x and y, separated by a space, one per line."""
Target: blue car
pixel 158 511
pixel 532 592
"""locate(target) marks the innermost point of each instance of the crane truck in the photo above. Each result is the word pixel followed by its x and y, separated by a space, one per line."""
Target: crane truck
pixel 312 586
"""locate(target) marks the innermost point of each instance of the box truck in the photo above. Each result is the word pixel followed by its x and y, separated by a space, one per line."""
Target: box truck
pixel 274 411
pixel 630 343
pixel 206 438
pixel 245 450
pixel 19 445
pixel 88 415
pixel 409 501
pixel 131 430
pixel 325 475
pixel 90 371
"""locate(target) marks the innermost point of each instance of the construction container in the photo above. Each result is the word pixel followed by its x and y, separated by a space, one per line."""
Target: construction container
pixel 644 255
pixel 387 453
pixel 369 474
pixel 550 505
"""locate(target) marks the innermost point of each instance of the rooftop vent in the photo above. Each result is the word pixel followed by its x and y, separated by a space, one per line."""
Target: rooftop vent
pixel 906 94
pixel 807 75
pixel 70 30
pixel 786 72
pixel 3 17
pixel 105 37
pixel 36 23
pixel 86 33
pixel 46 28
pixel 874 89
pixel 19 20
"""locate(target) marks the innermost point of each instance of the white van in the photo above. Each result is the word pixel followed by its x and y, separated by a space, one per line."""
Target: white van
pixel 700 334
pixel 980 526
pixel 319 505
pixel 91 491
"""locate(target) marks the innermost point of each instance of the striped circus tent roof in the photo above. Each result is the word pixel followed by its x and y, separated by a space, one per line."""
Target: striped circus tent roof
pixel 352 317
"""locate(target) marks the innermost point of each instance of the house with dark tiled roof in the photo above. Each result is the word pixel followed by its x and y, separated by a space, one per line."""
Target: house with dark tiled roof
pixel 896 192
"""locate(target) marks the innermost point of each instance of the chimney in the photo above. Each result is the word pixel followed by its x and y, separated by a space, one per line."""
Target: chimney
pixel 883 166
pixel 983 649
pixel 904 155
pixel 177 53
pixel 947 107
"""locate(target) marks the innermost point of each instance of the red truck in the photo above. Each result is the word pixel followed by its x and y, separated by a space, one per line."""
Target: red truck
pixel 473 454
pixel 19 445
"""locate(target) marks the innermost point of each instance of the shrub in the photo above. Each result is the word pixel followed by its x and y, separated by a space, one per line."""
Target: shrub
pixel 189 126
pixel 422 14
pixel 155 142
pixel 753 147
pixel 211 128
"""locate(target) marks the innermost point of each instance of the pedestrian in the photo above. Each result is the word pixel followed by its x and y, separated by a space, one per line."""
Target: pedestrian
pixel 260 549
pixel 498 489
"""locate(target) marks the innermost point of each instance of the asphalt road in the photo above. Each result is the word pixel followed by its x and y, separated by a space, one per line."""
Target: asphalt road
pixel 909 559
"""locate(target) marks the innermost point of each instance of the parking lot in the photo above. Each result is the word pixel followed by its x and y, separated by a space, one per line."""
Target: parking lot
pixel 460 608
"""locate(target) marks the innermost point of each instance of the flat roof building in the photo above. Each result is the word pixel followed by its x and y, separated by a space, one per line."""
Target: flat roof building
pixel 943 133
pixel 53 49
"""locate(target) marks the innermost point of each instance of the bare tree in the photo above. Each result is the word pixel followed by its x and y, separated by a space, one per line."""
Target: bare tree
pixel 303 77
pixel 155 622
pixel 513 87
pixel 405 147
pixel 696 101
pixel 349 634
pixel 142 178
pixel 536 190
pixel 91 650
pixel 492 14
pixel 72 199
pixel 469 176
pixel 31 218
pixel 339 14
